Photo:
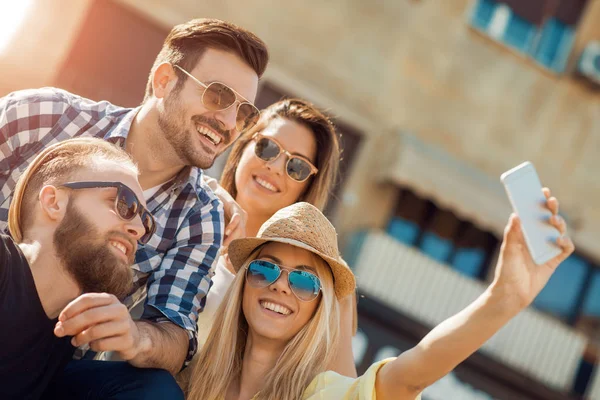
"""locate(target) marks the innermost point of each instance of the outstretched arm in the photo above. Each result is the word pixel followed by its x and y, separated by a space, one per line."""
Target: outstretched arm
pixel 518 280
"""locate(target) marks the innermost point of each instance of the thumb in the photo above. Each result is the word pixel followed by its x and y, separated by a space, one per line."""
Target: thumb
pixel 233 223
pixel 512 232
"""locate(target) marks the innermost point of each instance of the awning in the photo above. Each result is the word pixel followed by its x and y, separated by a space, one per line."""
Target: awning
pixel 468 192
pixel 450 183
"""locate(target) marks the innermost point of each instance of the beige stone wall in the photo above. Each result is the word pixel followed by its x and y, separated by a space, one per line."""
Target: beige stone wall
pixel 417 66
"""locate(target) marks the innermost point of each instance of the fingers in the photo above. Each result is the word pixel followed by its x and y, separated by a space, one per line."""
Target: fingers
pixel 85 302
pixel 566 244
pixel 551 202
pixel 559 223
pixel 235 229
pixel 103 331
pixel 75 325
pixel 233 224
pixel 116 343
pixel 547 192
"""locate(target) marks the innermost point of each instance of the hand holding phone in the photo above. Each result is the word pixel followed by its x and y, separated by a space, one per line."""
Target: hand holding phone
pixel 524 191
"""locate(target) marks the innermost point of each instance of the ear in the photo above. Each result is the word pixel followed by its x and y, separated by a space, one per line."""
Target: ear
pixel 163 80
pixel 53 203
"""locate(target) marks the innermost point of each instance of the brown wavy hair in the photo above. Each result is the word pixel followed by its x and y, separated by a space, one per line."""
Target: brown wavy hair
pixel 187 42
pixel 328 148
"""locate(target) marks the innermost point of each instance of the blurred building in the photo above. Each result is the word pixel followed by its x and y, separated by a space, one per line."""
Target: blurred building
pixel 434 101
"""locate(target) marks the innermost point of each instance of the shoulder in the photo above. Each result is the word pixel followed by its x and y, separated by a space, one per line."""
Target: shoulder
pixel 330 384
pixel 9 254
pixel 7 246
pixel 60 99
pixel 48 101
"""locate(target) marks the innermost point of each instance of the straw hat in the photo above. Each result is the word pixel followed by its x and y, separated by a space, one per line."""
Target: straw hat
pixel 301 225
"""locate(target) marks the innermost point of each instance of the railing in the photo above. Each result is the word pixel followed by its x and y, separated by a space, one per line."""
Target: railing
pixel 416 285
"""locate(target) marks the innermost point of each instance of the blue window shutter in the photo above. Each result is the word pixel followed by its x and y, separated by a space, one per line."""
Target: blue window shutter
pixel 560 295
pixel 519 34
pixel 482 13
pixel 403 230
pixel 469 261
pixel 591 304
pixel 554 47
pixel 436 247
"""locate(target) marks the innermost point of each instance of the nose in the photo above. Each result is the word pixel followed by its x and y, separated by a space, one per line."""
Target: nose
pixel 278 164
pixel 227 117
pixel 135 228
pixel 281 285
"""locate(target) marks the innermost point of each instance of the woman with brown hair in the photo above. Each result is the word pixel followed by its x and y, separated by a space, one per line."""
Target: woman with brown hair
pixel 291 155
pixel 276 329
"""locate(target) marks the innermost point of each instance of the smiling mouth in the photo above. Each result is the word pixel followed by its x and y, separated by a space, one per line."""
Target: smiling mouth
pixel 210 135
pixel 119 246
pixel 279 309
pixel 266 184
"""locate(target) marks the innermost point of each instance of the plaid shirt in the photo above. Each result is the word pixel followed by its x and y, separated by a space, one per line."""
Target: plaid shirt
pixel 173 267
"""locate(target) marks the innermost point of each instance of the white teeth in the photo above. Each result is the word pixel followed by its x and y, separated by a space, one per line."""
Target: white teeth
pixel 214 138
pixel 275 307
pixel 119 246
pixel 266 184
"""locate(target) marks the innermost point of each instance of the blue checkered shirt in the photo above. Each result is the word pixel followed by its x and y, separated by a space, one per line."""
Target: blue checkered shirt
pixel 173 267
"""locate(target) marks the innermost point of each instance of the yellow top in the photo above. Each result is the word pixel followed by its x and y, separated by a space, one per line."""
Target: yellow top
pixel 333 386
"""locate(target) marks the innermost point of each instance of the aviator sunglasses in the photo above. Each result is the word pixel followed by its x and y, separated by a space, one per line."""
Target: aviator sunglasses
pixel 218 96
pixel 297 167
pixel 304 284
pixel 127 204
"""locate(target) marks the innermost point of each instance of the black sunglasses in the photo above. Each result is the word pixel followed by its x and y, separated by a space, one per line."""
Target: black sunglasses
pixel 127 204
pixel 304 284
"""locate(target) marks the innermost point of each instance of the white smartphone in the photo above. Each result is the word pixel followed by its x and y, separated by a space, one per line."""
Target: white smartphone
pixel 524 191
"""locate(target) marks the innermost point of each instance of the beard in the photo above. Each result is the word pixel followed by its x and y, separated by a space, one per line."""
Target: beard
pixel 172 122
pixel 87 256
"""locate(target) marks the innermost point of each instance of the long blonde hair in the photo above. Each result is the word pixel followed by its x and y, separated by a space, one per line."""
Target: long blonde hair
pixel 304 357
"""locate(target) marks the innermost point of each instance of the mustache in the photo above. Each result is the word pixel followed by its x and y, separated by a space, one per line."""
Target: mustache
pixel 214 125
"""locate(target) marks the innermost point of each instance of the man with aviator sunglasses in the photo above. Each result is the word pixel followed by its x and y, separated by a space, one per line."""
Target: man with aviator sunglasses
pixel 198 97
pixel 60 257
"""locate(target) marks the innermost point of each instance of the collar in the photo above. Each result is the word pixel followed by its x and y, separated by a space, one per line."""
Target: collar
pixel 118 134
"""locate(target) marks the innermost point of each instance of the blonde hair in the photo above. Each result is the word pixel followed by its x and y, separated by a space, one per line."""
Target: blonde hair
pixel 304 357
pixel 52 166
pixel 328 153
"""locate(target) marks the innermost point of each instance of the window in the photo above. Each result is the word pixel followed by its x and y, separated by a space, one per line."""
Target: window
pixel 441 235
pixel 543 30
pixel 561 295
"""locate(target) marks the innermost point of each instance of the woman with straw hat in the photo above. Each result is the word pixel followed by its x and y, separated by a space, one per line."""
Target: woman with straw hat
pixel 273 334
pixel 274 165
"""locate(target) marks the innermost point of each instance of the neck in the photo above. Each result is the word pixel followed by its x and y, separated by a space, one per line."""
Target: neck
pixel 255 219
pixel 55 287
pixel 254 223
pixel 260 357
pixel 156 159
